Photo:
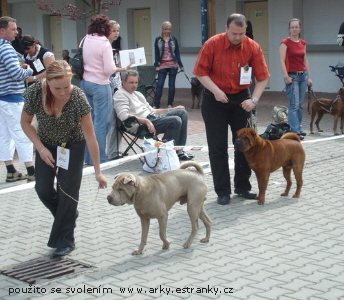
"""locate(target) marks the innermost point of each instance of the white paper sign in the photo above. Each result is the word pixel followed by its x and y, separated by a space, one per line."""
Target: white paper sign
pixel 62 159
pixel 245 75
pixel 38 65
pixel 133 57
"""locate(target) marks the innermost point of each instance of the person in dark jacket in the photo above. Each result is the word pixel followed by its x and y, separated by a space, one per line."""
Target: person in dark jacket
pixel 37 57
pixel 167 61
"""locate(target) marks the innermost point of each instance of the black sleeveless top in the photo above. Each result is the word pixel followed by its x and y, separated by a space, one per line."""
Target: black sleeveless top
pixel 41 52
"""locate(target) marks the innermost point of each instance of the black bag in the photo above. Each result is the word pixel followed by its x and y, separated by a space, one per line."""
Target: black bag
pixel 77 62
pixel 275 131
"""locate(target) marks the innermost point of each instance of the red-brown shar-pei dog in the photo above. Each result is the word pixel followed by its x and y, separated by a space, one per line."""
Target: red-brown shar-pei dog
pixel 265 157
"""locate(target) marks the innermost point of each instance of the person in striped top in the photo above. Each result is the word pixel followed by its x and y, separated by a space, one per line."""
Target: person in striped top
pixel 12 76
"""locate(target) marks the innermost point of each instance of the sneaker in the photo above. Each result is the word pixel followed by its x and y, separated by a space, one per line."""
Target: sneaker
pixel 169 106
pixel 12 177
pixel 30 178
pixel 182 155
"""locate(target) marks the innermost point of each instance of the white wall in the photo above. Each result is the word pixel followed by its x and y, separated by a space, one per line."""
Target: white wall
pixel 30 19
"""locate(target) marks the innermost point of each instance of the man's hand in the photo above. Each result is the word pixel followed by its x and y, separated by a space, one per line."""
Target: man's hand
pixel 248 105
pixel 149 125
pixel 221 96
pixel 177 107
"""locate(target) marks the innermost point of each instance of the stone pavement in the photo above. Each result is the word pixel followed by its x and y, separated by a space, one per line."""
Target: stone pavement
pixel 287 249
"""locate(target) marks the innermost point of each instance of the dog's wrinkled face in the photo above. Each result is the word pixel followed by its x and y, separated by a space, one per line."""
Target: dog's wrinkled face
pixel 123 189
pixel 246 139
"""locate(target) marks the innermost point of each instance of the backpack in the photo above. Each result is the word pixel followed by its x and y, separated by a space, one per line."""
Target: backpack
pixel 77 62
pixel 275 131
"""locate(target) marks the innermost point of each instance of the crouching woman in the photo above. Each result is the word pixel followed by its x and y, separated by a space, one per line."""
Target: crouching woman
pixel 64 128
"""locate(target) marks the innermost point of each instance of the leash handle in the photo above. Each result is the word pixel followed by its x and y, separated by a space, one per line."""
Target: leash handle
pixel 186 76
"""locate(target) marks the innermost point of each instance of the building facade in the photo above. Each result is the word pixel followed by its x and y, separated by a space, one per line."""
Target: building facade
pixel 141 20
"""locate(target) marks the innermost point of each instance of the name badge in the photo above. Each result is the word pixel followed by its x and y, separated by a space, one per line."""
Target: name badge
pixel 38 65
pixel 245 75
pixel 62 159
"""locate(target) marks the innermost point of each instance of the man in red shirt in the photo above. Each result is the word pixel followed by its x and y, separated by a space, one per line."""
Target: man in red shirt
pixel 224 66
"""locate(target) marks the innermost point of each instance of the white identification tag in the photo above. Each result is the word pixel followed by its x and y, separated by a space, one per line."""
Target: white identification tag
pixel 38 65
pixel 62 159
pixel 245 75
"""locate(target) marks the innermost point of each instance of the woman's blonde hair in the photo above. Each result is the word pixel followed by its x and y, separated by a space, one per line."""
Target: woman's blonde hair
pixel 114 23
pixel 56 70
pixel 164 25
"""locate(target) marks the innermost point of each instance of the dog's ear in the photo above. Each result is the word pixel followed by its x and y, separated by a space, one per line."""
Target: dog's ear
pixel 129 179
pixel 341 93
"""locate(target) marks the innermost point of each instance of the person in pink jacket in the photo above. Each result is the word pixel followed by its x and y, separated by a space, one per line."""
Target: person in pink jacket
pixel 98 67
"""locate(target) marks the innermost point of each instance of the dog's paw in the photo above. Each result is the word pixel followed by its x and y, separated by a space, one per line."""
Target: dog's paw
pixel 136 252
pixel 284 194
pixel 260 202
pixel 166 246
pixel 296 196
pixel 205 240
pixel 186 245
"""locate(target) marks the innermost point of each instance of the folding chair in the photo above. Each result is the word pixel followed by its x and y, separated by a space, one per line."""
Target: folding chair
pixel 131 131
pixel 147 82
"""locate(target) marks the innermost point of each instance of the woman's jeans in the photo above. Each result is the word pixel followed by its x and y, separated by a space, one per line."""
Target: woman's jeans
pixel 61 201
pixel 296 95
pixel 99 96
pixel 172 74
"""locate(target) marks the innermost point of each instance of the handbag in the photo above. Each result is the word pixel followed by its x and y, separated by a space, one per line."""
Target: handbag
pixel 163 158
pixel 77 62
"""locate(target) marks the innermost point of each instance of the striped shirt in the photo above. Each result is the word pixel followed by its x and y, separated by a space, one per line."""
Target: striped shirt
pixel 12 76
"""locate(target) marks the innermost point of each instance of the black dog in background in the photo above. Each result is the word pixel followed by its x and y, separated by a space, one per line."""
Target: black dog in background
pixel 197 90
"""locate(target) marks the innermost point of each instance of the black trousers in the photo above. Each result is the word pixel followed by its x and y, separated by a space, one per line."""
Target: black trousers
pixel 217 116
pixel 58 199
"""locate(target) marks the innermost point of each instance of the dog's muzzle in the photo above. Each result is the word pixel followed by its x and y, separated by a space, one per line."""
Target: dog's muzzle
pixel 239 145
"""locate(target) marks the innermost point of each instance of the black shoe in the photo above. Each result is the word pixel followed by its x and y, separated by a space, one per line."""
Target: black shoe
pixel 246 194
pixel 223 200
pixel 302 133
pixel 182 155
pixel 63 251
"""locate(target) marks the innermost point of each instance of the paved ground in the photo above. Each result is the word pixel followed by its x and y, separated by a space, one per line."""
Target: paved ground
pixel 287 249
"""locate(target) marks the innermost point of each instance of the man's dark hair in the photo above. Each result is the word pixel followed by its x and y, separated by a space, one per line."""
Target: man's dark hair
pixel 5 20
pixel 237 19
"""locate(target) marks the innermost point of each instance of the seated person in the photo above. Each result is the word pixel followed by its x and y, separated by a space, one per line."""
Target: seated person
pixel 171 122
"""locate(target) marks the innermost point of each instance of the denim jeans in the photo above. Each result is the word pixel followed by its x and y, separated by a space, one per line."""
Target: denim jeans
pixel 172 74
pixel 174 126
pixel 60 201
pixel 99 96
pixel 296 95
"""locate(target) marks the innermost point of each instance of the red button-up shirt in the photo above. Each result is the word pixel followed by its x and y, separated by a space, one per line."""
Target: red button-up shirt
pixel 221 61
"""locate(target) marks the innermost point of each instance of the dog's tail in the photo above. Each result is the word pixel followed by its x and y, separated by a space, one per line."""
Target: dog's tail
pixel 291 136
pixel 188 164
